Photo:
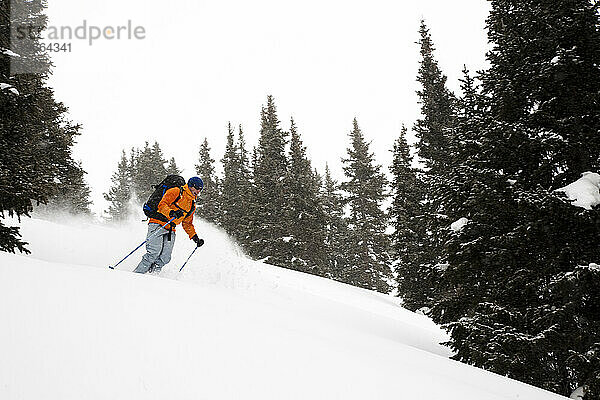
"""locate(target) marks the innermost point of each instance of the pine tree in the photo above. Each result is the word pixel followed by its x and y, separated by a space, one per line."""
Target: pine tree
pixel 35 136
pixel 406 217
pixel 244 190
pixel 267 205
pixel 208 206
pixel 548 84
pixel 230 196
pixel 149 170
pixel 437 151
pixel 509 301
pixel 72 194
pixel 305 216
pixel 159 161
pixel 134 155
pixel 135 179
pixel 317 181
pixel 120 193
pixel 465 188
pixel 235 186
pixel 172 168
pixel 368 258
pixel 336 228
pixel 434 129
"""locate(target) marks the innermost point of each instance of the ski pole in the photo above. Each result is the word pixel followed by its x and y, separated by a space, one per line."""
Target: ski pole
pixel 141 244
pixel 188 259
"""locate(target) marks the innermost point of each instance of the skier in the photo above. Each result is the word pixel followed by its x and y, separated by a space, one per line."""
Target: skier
pixel 178 203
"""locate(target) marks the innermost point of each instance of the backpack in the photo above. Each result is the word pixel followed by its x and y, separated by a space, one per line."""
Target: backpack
pixel 151 206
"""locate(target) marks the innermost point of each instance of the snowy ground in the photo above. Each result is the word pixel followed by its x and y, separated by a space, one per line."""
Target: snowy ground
pixel 224 328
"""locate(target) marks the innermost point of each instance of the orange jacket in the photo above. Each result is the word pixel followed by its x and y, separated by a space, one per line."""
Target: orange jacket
pixel 167 203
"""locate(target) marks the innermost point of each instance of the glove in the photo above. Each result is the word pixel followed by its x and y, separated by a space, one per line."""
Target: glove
pixel 199 242
pixel 176 213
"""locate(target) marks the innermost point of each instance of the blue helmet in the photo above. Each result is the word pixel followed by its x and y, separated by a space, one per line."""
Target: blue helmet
pixel 196 182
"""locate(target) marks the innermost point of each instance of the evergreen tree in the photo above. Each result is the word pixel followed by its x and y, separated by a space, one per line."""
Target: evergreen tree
pixel 159 161
pixel 305 216
pixel 208 206
pixel 134 155
pixel 235 186
pixel 336 228
pixel 172 168
pixel 367 245
pixel 245 172
pixel 72 194
pixel 120 193
pixel 230 206
pixel 406 217
pixel 267 233
pixel 135 179
pixel 544 75
pixel 317 181
pixel 244 190
pixel 465 188
pixel 148 170
pixel 437 150
pixel 509 292
pixel 434 129
pixel 35 136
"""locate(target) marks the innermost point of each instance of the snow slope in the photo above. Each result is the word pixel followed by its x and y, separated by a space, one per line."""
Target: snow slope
pixel 225 328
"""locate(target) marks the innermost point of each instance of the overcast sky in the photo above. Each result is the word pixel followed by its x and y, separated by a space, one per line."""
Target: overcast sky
pixel 204 63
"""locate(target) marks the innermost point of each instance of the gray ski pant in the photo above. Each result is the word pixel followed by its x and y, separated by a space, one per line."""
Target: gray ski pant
pixel 158 249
